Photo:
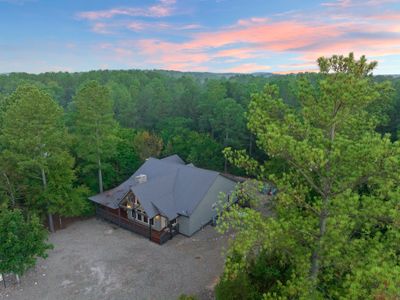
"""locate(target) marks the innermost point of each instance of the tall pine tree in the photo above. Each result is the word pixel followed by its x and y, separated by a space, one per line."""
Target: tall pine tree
pixel 334 233
pixel 95 129
pixel 34 139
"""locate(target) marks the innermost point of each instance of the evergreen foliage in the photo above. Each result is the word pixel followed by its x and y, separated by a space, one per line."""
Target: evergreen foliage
pixel 335 221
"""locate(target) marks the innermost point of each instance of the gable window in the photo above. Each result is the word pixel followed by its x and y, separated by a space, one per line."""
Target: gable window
pixel 130 214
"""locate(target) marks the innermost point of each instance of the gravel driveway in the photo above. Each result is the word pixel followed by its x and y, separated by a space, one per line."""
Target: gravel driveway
pixel 93 259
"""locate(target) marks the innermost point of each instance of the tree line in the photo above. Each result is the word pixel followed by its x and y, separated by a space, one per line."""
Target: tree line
pixel 64 136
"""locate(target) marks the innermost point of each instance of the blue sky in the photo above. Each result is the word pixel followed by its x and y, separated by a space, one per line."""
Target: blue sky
pixel 195 35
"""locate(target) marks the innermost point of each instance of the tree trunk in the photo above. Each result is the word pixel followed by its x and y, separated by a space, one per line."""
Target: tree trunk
pixel 17 278
pixel 100 176
pixel 60 221
pixel 49 215
pixel 10 189
pixel 51 224
pixel 315 255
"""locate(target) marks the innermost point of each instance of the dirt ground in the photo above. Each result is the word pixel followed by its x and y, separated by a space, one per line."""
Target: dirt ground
pixel 93 259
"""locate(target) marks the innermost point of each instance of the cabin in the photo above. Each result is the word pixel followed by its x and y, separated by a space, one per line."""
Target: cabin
pixel 165 197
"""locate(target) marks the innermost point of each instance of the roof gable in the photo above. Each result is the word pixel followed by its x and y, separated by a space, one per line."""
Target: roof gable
pixel 171 188
pixel 174 158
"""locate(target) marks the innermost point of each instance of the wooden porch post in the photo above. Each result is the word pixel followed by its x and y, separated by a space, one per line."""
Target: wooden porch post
pixel 119 216
pixel 150 228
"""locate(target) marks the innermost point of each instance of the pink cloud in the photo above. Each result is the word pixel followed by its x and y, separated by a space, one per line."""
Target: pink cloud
pixel 249 40
pixel 251 21
pixel 258 40
pixel 248 68
pixel 275 36
pixel 352 3
pixel 157 26
pixel 191 26
pixel 162 9
pixel 387 17
pixel 338 3
pixel 101 28
pixel 136 26
pixel 122 52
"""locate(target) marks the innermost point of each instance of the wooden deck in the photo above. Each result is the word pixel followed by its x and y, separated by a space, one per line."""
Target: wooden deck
pixel 159 237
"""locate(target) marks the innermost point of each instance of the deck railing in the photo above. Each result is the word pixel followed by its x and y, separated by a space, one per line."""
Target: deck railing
pixel 167 234
pixel 157 236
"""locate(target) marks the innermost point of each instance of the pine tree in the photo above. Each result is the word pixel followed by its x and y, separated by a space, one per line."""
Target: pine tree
pixel 95 129
pixel 335 226
pixel 35 140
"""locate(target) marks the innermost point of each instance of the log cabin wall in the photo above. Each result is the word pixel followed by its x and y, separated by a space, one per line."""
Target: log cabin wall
pixel 115 216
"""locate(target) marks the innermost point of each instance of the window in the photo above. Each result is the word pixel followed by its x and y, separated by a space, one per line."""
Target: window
pixel 130 214
pixel 139 217
pixel 145 219
pixel 151 222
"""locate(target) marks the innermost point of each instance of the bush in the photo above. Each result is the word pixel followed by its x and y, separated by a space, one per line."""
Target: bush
pixel 263 274
pixel 237 288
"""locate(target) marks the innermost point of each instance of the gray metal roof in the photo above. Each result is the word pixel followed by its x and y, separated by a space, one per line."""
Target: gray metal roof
pixel 171 188
pixel 174 158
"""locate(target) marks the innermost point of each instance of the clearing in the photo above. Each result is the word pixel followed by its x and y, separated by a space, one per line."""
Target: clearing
pixel 93 259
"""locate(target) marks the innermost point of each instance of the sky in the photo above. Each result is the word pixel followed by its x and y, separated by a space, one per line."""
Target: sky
pixel 195 35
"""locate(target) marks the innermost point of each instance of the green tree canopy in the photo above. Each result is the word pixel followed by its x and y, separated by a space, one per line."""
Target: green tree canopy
pixel 95 129
pixel 197 148
pixel 147 145
pixel 35 143
pixel 21 241
pixel 126 161
pixel 335 221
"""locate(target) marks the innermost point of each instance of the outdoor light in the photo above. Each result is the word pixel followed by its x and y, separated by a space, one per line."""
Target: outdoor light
pixel 129 206
pixel 157 217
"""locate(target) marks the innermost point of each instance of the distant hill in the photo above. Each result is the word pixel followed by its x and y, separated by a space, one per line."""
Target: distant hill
pixel 201 76
pixel 211 75
pixel 264 74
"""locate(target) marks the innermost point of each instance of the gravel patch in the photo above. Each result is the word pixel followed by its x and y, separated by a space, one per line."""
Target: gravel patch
pixel 93 259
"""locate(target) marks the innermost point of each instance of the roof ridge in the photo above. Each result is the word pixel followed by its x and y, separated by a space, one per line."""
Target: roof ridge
pixel 173 188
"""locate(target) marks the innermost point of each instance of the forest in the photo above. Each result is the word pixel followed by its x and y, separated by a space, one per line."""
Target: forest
pixel 65 136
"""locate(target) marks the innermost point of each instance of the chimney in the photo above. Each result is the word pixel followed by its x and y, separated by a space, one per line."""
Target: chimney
pixel 141 178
